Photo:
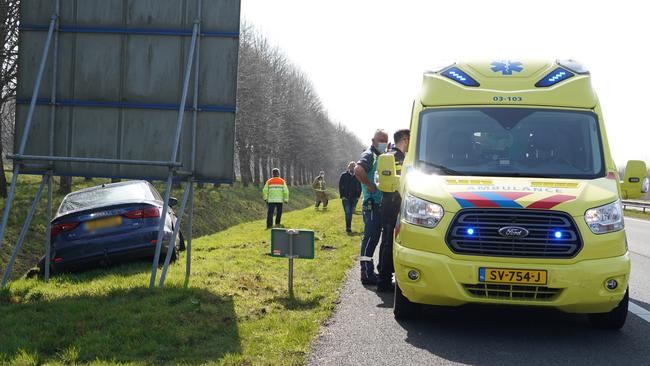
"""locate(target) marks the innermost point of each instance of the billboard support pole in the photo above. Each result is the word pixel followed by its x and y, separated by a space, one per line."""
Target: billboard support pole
pixel 161 229
pixel 37 84
pixel 55 66
pixel 48 230
pixel 177 227
pixel 177 139
pixel 188 244
pixel 23 232
pixel 28 124
pixel 195 112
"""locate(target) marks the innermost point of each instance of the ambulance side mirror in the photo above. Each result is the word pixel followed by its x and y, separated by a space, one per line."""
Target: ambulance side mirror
pixel 388 179
pixel 635 182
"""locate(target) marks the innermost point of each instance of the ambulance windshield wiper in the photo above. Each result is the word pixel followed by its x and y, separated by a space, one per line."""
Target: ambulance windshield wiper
pixel 441 168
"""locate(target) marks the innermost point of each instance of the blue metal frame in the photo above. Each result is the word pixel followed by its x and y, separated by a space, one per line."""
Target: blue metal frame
pixel 134 31
pixel 157 106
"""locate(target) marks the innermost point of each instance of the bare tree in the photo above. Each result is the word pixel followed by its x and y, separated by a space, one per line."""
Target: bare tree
pixel 281 121
pixel 8 70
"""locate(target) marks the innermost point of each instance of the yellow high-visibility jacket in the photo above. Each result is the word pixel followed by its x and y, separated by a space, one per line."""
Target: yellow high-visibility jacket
pixel 275 191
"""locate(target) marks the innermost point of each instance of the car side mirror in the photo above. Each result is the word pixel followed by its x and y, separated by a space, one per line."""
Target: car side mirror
pixel 388 179
pixel 635 182
pixel 173 201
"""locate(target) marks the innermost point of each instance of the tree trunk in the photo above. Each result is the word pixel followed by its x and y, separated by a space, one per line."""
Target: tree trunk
pixel 245 166
pixel 256 167
pixel 65 185
pixel 284 168
pixel 3 178
pixel 290 173
pixel 265 168
pixel 303 171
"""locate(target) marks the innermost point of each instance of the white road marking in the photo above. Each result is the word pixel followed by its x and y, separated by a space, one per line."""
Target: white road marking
pixel 639 311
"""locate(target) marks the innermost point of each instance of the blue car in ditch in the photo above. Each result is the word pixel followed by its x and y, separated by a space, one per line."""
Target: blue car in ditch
pixel 108 224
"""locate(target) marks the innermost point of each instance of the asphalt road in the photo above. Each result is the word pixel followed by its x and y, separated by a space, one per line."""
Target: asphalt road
pixel 364 332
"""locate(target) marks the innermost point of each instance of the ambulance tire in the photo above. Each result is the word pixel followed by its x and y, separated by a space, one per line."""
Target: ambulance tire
pixel 613 320
pixel 404 309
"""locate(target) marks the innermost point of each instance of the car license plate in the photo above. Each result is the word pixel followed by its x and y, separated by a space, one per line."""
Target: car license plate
pixel 104 223
pixel 514 276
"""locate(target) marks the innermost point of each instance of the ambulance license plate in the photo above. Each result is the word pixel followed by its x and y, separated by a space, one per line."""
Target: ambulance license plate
pixel 513 276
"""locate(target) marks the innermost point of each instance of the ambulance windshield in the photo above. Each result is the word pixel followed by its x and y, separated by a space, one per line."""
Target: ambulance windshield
pixel 522 142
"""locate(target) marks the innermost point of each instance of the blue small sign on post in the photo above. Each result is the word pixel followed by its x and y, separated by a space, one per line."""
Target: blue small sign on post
pixel 292 243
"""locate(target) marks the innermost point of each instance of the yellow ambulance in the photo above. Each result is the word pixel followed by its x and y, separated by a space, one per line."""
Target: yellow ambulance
pixel 510 194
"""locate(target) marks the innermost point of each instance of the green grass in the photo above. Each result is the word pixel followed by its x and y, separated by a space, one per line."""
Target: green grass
pixel 215 209
pixel 235 311
pixel 637 214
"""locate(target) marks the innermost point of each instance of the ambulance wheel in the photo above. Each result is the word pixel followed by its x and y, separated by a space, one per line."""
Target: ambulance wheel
pixel 613 320
pixel 403 308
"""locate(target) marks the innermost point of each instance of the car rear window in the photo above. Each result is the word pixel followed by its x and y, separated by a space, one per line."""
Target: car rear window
pixel 101 196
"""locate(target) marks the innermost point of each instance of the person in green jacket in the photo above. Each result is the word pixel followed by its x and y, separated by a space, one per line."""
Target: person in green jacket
pixel 275 193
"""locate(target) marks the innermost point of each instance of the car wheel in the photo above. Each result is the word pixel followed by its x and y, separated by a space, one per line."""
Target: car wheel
pixel 403 308
pixel 615 319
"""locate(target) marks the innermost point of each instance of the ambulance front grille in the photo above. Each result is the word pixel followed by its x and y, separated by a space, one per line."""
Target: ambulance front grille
pixel 476 232
pixel 512 292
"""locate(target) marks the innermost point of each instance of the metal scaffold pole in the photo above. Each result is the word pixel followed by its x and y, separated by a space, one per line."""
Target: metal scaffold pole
pixel 179 127
pixel 28 124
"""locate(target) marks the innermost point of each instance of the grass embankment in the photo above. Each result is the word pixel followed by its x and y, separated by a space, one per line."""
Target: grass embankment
pixel 214 210
pixel 637 214
pixel 236 310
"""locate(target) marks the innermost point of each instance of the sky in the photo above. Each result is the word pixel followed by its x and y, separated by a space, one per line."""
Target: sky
pixel 366 58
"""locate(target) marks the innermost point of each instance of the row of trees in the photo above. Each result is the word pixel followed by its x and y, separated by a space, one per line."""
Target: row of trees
pixel 281 122
pixel 8 72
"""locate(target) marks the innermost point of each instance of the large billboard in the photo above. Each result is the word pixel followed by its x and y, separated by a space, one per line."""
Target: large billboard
pixel 120 67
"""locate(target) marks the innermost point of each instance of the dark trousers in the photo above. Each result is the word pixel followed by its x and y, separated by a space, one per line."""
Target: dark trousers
pixel 389 211
pixel 277 207
pixel 371 235
pixel 348 206
pixel 321 197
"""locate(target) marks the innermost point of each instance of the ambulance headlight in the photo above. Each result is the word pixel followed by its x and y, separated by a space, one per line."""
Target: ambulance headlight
pixel 645 187
pixel 420 212
pixel 605 219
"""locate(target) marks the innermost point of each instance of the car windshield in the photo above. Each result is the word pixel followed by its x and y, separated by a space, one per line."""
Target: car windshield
pixel 103 195
pixel 510 142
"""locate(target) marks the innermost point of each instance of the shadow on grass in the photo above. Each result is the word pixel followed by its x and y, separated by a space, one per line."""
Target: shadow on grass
pixel 170 325
pixel 297 303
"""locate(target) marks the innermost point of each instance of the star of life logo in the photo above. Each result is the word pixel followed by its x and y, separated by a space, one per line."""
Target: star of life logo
pixel 506 67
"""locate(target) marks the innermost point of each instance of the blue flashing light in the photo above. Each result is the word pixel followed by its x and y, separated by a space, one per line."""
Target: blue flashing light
pixel 574 66
pixel 459 76
pixel 556 76
pixel 558 235
pixel 470 231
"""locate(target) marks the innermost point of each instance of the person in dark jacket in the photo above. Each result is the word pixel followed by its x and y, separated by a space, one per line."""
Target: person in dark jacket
pixel 350 191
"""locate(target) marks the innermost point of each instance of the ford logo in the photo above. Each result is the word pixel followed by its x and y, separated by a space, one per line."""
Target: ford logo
pixel 513 232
